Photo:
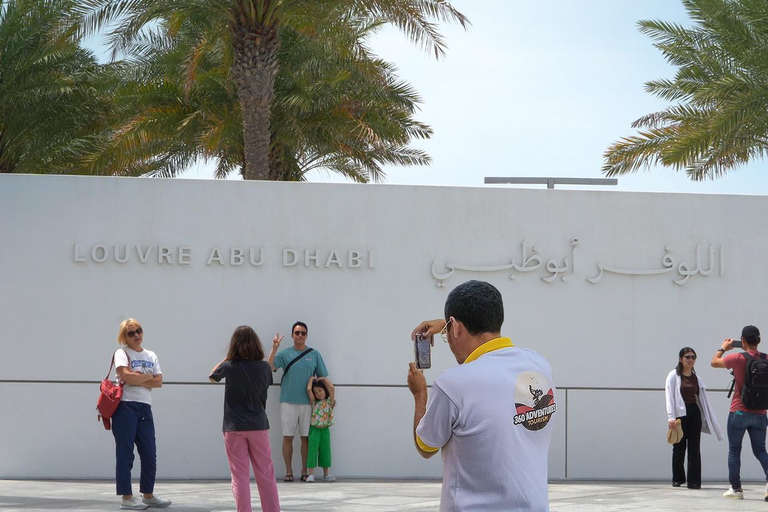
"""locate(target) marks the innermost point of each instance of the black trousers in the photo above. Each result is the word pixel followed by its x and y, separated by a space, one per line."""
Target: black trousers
pixel 691 441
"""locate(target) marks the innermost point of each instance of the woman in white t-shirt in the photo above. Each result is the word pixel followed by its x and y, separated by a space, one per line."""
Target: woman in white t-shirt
pixel 132 423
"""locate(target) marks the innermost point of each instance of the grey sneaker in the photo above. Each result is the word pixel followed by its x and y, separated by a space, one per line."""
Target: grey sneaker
pixel 133 503
pixel 156 502
pixel 329 478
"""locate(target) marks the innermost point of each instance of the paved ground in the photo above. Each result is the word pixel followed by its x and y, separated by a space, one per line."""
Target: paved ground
pixel 372 496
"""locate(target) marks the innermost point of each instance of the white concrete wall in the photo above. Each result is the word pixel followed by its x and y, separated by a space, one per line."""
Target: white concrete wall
pixel 610 344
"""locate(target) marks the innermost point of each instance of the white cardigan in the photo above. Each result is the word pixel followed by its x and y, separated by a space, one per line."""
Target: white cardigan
pixel 676 405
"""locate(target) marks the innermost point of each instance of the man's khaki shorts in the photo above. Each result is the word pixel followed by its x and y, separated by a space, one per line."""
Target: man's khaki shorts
pixel 295 419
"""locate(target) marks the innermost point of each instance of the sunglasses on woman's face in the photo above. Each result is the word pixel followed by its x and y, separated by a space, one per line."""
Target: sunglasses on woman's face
pixel 131 334
pixel 690 357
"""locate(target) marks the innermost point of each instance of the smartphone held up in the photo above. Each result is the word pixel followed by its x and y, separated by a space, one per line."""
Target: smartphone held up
pixel 422 347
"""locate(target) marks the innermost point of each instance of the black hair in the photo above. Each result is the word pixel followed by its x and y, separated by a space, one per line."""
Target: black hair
pixel 321 384
pixel 683 351
pixel 477 305
pixel 301 324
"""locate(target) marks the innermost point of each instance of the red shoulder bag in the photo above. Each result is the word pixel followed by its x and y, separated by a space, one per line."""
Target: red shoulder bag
pixel 109 397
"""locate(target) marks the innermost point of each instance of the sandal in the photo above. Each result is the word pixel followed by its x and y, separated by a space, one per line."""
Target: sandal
pixel 288 478
pixel 304 478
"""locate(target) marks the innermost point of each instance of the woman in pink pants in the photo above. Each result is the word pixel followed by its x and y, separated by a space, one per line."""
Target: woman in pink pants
pixel 246 429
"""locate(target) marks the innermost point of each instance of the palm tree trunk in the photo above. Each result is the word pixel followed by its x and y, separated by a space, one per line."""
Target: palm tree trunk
pixel 275 163
pixel 253 70
pixel 5 166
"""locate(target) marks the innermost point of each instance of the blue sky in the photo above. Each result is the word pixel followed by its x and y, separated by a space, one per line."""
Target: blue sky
pixel 539 89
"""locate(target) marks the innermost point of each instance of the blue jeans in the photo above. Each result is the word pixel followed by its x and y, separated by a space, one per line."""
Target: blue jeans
pixel 738 423
pixel 132 424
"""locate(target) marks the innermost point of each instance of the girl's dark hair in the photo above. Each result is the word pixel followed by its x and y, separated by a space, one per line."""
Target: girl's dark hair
pixel 683 351
pixel 321 384
pixel 245 345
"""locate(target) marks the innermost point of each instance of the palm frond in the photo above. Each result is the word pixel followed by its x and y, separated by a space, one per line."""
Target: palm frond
pixel 721 121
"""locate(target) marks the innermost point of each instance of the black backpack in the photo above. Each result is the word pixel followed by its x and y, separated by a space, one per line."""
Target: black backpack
pixel 754 392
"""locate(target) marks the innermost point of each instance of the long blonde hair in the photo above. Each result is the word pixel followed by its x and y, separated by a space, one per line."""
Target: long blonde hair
pixel 121 335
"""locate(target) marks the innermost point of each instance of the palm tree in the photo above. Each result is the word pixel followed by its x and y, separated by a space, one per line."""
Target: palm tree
pixel 337 108
pixel 51 105
pixel 341 109
pixel 252 29
pixel 721 120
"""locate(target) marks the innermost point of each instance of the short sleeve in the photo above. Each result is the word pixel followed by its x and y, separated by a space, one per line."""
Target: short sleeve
pixel 220 372
pixel 156 367
pixel 731 359
pixel 280 359
pixel 436 427
pixel 121 358
pixel 321 370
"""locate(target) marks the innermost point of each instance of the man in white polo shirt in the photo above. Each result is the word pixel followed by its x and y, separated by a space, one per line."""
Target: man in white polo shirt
pixel 491 415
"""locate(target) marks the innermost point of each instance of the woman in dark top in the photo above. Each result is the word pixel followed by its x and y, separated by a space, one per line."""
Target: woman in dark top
pixel 687 401
pixel 246 428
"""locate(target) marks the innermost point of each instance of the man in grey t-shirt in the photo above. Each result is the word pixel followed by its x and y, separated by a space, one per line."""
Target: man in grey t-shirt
pixel 490 416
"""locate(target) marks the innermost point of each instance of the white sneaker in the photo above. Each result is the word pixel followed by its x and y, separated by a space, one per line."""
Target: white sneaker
pixel 133 503
pixel 734 493
pixel 310 479
pixel 766 492
pixel 156 502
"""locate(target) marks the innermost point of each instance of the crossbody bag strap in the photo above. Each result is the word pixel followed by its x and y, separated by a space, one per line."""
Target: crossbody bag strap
pixel 296 359
pixel 250 383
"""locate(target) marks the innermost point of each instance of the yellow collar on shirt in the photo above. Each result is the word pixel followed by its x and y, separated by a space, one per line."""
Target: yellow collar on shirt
pixel 489 346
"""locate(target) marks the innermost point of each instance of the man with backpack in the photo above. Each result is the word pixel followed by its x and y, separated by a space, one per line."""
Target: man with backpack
pixel 748 405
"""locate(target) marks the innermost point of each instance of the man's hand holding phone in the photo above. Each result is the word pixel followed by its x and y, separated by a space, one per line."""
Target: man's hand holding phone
pixel 423 337
pixel 428 329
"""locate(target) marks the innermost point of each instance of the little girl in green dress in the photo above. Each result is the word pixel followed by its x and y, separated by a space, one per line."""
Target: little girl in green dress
pixel 321 396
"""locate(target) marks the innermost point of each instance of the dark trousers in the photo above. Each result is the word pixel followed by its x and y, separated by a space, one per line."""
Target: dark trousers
pixel 691 424
pixel 132 424
pixel 755 425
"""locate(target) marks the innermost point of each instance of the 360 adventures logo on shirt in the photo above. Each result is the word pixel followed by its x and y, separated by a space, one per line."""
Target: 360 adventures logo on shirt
pixel 533 406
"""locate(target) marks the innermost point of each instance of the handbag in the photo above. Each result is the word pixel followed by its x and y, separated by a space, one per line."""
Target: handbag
pixel 675 434
pixel 109 397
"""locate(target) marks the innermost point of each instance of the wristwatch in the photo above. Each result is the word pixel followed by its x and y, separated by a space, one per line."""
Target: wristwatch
pixel 721 349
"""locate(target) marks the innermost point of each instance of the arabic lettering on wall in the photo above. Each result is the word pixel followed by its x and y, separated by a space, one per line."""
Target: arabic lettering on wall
pixel 531 260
